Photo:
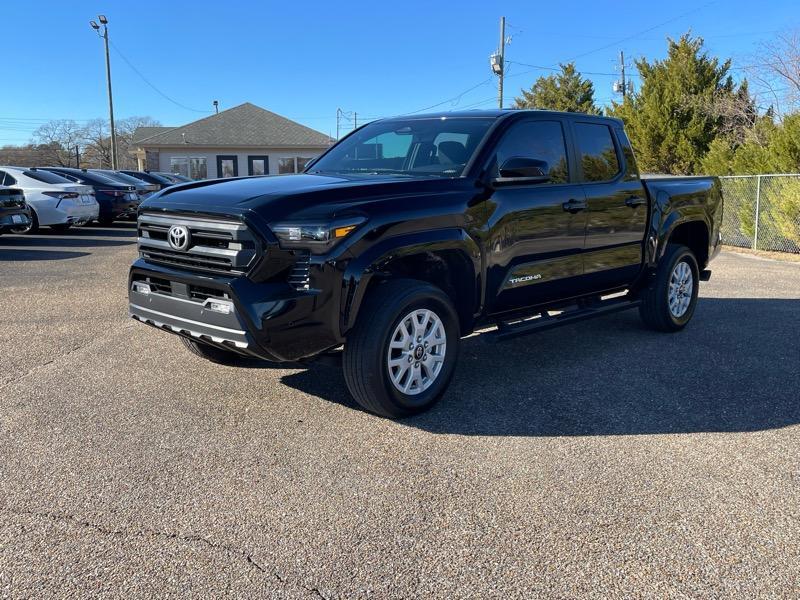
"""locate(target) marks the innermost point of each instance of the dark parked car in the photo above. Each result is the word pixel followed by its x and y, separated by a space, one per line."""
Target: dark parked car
pixel 174 177
pixel 143 189
pixel 117 200
pixel 14 212
pixel 150 177
pixel 413 232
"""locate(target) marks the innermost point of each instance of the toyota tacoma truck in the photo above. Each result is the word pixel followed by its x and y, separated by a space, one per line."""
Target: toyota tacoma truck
pixel 411 233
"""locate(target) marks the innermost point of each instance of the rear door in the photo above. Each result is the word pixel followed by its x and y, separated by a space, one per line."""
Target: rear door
pixel 617 206
pixel 535 230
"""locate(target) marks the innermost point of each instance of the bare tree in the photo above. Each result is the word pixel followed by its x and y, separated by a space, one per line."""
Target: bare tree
pixel 58 140
pixel 125 130
pixel 97 144
pixel 776 68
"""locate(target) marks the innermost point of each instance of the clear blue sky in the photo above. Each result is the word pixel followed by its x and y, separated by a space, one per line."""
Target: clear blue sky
pixel 304 59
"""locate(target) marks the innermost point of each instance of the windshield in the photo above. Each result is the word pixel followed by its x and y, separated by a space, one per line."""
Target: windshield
pixel 437 146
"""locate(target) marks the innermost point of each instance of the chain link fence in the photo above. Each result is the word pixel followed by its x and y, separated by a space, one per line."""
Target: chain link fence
pixel 762 212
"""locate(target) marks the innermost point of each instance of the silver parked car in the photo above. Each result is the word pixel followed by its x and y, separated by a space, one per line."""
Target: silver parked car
pixel 54 201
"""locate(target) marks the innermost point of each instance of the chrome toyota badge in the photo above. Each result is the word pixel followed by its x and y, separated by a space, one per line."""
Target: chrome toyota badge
pixel 178 237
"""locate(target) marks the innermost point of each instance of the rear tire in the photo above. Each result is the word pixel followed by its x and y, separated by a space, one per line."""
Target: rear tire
pixel 400 356
pixel 212 353
pixel 669 301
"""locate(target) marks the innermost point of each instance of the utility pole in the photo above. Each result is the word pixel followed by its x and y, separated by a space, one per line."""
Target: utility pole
pixel 355 120
pixel 497 61
pixel 104 35
pixel 77 157
pixel 216 106
pixel 502 61
pixel 622 86
pixel 338 116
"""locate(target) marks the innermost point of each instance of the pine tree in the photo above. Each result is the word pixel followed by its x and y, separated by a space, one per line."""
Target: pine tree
pixel 566 91
pixel 669 120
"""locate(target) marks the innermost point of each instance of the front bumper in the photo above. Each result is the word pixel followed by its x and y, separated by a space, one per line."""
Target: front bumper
pixel 271 320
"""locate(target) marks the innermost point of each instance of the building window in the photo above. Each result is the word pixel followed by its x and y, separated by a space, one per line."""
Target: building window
pixel 194 167
pixel 227 166
pixel 179 165
pixel 198 168
pixel 293 164
pixel 258 165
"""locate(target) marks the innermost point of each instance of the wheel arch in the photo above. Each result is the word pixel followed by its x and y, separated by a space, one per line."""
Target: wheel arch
pixel 448 259
pixel 691 233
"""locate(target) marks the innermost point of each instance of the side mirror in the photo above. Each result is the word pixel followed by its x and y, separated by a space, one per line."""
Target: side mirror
pixel 518 167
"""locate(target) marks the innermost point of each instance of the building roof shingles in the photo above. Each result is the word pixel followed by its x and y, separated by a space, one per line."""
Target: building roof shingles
pixel 243 125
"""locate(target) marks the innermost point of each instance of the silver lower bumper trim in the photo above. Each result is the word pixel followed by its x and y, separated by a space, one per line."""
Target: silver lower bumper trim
pixel 215 333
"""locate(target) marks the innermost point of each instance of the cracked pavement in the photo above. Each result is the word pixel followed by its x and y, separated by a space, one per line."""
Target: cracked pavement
pixel 598 460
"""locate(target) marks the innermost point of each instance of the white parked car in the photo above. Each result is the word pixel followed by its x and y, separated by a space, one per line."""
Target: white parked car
pixel 54 200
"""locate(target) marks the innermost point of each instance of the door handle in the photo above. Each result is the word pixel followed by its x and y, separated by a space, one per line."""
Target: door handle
pixel 573 206
pixel 635 201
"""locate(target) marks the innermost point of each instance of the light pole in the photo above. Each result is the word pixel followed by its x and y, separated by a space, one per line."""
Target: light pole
pixel 104 35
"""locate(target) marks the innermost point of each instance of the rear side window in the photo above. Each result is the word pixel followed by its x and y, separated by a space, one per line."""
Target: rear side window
pixel 597 152
pixel 45 176
pixel 6 179
pixel 540 140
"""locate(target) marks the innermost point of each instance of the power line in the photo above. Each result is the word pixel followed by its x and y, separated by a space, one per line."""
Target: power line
pixel 454 99
pixel 648 30
pixel 147 81
pixel 554 69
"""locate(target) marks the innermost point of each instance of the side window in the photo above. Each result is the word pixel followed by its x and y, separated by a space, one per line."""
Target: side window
pixel 6 179
pixel 597 152
pixel 541 140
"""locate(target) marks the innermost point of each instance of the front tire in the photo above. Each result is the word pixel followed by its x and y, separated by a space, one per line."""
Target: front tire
pixel 669 301
pixel 212 353
pixel 401 355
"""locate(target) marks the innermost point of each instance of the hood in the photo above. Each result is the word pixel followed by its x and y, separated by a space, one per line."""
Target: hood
pixel 302 196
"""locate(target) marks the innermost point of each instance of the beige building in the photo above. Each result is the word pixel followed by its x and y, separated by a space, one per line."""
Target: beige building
pixel 243 140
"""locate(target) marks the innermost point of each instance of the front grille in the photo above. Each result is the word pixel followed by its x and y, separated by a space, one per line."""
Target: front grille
pixel 215 246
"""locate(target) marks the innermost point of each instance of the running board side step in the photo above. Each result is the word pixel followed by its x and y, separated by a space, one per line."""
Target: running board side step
pixel 507 330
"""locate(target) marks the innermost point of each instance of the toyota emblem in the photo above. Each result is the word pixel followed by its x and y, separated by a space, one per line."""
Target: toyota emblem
pixel 178 237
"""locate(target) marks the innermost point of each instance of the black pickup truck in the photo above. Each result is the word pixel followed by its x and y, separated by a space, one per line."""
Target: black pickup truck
pixel 413 232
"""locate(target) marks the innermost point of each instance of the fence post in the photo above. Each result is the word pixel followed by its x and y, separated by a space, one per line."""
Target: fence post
pixel 758 203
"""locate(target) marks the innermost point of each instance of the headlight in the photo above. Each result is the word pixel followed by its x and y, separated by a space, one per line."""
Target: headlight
pixel 317 237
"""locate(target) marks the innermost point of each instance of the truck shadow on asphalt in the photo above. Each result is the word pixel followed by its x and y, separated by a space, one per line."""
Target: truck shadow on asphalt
pixel 33 247
pixel 733 369
pixel 12 255
pixel 79 236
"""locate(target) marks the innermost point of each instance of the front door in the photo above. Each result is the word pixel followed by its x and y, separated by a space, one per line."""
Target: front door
pixel 227 165
pixel 535 230
pixel 617 208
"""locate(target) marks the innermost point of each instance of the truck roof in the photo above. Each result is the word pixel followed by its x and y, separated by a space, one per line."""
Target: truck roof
pixel 496 113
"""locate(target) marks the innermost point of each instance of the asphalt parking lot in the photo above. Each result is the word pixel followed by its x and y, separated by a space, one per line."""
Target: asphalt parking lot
pixel 598 460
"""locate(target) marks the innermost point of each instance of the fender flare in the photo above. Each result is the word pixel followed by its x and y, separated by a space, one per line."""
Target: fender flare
pixel 665 220
pixel 361 270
